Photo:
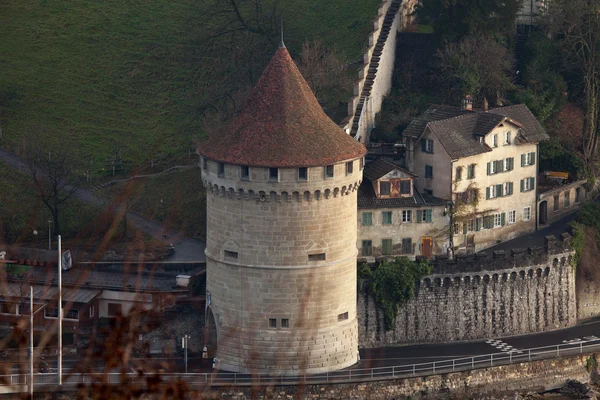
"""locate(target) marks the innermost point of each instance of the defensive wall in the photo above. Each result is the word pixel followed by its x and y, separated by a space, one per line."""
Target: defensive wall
pixel 382 82
pixel 481 296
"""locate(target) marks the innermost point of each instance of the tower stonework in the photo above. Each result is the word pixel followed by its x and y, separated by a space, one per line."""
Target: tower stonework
pixel 282 185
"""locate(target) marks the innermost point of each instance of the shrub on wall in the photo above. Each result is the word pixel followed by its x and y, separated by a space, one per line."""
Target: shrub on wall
pixel 392 284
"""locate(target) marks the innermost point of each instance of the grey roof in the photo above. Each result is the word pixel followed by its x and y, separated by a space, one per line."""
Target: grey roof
pixel 43 292
pixel 380 167
pixel 433 113
pixel 368 199
pixel 459 133
pixel 532 130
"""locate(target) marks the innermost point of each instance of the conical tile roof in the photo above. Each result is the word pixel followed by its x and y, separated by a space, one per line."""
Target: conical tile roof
pixel 281 125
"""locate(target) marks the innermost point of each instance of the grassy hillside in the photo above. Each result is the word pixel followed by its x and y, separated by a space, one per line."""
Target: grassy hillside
pixel 139 75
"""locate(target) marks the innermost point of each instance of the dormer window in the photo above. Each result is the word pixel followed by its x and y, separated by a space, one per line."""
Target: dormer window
pixel 385 188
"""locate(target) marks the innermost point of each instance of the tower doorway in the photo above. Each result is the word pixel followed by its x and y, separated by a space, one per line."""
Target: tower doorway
pixel 543 219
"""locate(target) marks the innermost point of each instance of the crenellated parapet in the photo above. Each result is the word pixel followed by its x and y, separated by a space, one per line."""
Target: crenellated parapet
pixel 486 295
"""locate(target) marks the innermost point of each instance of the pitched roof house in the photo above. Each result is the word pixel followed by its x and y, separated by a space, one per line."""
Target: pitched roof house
pixel 395 219
pixel 485 162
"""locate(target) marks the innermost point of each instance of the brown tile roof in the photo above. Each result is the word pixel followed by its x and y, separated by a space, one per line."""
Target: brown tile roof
pixel 367 199
pixel 459 134
pixel 378 168
pixel 282 125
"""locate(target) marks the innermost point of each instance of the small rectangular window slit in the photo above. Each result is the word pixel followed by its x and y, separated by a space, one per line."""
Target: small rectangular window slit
pixel 230 254
pixel 316 257
pixel 285 323
pixel 272 323
pixel 343 317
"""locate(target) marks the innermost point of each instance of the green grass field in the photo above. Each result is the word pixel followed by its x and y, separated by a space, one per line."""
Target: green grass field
pixel 97 75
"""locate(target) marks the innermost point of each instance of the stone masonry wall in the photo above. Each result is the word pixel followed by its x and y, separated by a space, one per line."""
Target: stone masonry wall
pixel 489 383
pixel 281 268
pixel 483 297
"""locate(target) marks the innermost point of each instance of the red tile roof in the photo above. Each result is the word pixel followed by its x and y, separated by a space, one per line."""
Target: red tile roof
pixel 281 125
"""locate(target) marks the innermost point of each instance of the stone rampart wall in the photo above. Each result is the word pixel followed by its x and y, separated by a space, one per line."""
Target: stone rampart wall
pixel 480 297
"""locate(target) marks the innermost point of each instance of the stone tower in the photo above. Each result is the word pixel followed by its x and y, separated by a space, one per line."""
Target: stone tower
pixel 281 231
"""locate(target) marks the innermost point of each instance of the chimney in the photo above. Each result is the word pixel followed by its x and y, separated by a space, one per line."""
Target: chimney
pixel 485 104
pixel 467 103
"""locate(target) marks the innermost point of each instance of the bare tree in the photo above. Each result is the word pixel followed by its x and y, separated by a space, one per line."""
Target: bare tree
pixel 253 16
pixel 55 176
pixel 577 24
pixel 324 69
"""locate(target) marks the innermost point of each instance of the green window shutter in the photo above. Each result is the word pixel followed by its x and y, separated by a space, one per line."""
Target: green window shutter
pixel 367 218
pixel 532 183
pixel 431 146
pixel 522 185
pixel 478 224
pixel 499 190
pixel 522 160
pixel 428 216
pixel 510 188
pixel 511 163
pixel 464 228
pixel 487 193
pixel 423 145
pixel 503 219
pixel 488 168
pixel 500 166
pixel 533 158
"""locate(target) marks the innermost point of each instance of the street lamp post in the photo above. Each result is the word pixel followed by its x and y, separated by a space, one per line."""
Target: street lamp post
pixel 184 344
pixel 49 234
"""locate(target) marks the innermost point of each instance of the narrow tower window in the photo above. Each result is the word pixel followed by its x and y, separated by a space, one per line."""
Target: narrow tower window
pixel 204 163
pixel 272 323
pixel 285 323
pixel 316 257
pixel 302 174
pixel 221 169
pixel 245 172
pixel 349 167
pixel 273 174
pixel 329 171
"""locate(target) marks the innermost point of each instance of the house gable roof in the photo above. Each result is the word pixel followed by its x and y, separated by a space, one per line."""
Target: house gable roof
pixel 381 167
pixel 367 199
pixel 460 135
pixel 281 125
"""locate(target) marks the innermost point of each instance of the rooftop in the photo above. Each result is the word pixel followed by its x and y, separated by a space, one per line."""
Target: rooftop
pixel 380 167
pixel 281 125
pixel 459 130
pixel 367 199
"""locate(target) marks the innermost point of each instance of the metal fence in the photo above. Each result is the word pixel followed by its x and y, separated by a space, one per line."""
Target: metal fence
pixel 345 376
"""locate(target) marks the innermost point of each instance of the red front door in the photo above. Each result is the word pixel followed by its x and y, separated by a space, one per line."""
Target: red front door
pixel 427 246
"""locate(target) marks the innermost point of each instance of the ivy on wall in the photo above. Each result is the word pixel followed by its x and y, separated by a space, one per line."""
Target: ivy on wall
pixel 392 284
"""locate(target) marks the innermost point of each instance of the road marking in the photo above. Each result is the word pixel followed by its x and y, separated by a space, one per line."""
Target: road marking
pixel 502 346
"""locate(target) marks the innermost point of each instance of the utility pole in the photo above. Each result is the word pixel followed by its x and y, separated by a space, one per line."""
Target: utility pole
pixel 60 312
pixel 49 234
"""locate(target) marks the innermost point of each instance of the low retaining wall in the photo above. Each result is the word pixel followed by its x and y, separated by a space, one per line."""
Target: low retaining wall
pixel 495 382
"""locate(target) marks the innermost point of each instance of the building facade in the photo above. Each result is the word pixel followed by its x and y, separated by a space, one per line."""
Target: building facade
pixel 394 219
pixel 282 186
pixel 486 162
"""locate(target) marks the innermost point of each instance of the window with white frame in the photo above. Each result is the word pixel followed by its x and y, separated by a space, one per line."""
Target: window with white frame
pixel 526 213
pixel 512 216
pixel 495 141
pixel 91 311
pixel 493 169
pixel 507 138
pixel 497 220
pixel 429 146
pixel 406 215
